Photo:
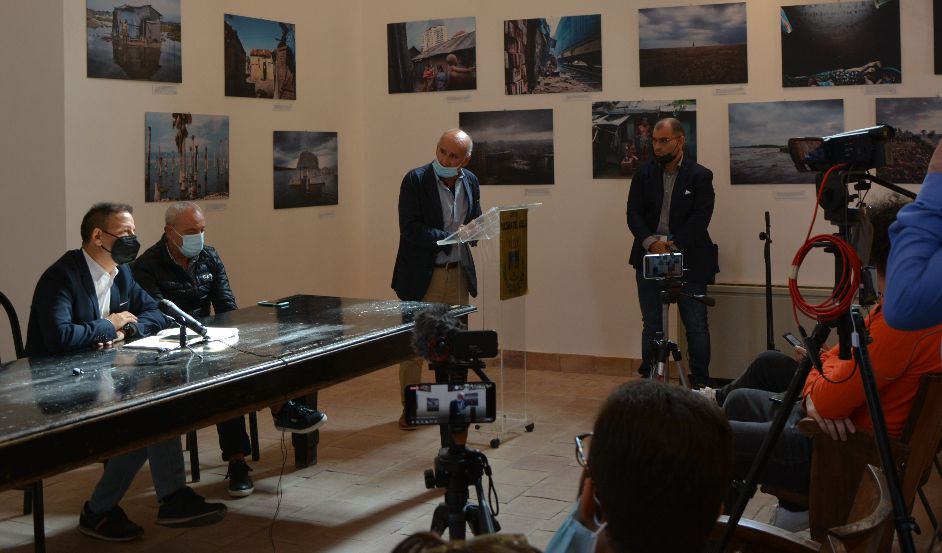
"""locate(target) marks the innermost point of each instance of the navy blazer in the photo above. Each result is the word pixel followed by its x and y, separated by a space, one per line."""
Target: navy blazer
pixel 691 210
pixel 420 227
pixel 64 315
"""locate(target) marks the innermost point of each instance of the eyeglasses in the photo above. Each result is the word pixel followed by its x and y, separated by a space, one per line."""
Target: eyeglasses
pixel 665 141
pixel 582 448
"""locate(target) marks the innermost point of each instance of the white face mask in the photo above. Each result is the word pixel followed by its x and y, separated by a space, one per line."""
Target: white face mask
pixel 573 537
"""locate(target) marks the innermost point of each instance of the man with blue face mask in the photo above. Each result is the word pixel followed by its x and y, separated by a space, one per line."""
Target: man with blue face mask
pixel 434 201
pixel 180 267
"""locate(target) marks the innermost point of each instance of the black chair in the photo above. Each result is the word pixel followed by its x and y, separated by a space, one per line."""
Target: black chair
pixel 32 493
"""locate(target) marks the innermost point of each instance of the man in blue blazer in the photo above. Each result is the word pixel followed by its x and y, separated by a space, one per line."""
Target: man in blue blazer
pixel 670 204
pixel 86 299
pixel 434 201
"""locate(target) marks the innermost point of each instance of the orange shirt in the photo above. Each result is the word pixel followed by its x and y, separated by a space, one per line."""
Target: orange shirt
pixel 898 357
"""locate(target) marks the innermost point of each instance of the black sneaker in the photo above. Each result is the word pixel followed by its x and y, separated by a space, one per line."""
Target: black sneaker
pixel 184 508
pixel 297 418
pixel 111 526
pixel 240 483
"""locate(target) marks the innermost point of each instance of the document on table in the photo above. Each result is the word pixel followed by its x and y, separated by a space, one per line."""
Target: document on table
pixel 169 338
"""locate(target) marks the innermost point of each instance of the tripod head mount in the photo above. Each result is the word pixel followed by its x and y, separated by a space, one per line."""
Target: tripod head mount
pixel 672 291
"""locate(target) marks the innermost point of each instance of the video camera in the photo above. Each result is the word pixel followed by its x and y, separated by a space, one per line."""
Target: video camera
pixel 441 338
pixel 860 149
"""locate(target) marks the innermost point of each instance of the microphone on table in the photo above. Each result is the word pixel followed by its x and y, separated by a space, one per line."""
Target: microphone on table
pixel 182 317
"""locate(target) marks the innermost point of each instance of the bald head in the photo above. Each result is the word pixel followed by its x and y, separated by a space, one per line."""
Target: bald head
pixel 454 149
pixel 457 138
pixel 673 124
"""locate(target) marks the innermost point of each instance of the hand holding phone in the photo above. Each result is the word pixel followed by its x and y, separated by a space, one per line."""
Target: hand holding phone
pixel 793 340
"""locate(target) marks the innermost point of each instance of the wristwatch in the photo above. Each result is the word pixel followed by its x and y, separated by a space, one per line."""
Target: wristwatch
pixel 129 330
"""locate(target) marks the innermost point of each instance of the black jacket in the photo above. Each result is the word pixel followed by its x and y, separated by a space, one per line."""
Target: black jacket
pixel 691 210
pixel 420 227
pixel 205 284
pixel 64 315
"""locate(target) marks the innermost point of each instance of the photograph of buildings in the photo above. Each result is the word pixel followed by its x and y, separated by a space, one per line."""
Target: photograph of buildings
pixel 511 147
pixel 759 133
pixel 435 55
pixel 186 157
pixel 918 124
pixel 305 165
pixel 553 54
pixel 849 43
pixel 621 133
pixel 689 45
pixel 259 58
pixel 133 42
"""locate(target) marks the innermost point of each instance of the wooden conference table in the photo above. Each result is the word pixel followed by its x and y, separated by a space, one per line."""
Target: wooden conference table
pixel 61 412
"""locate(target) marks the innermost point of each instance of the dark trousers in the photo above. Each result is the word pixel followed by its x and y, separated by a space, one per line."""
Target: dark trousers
pixel 750 413
pixel 771 371
pixel 692 313
pixel 233 438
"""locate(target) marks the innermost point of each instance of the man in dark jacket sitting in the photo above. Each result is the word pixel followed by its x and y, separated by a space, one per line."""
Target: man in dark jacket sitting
pixel 182 269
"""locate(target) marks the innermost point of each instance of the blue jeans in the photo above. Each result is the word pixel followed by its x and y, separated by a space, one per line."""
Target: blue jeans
pixel 692 313
pixel 166 470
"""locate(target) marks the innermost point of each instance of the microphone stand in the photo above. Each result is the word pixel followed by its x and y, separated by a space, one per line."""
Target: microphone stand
pixel 767 238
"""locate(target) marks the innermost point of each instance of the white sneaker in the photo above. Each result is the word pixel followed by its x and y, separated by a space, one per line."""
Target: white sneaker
pixel 793 521
pixel 707 392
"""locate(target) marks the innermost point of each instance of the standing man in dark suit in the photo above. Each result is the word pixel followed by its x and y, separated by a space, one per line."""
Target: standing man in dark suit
pixel 670 204
pixel 87 299
pixel 434 201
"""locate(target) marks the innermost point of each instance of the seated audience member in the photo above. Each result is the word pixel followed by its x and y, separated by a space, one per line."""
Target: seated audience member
pixel 771 371
pixel 430 542
pixel 836 400
pixel 657 469
pixel 914 272
pixel 182 269
pixel 88 299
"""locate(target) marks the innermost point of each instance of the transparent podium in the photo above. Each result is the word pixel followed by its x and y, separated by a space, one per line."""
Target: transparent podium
pixel 501 260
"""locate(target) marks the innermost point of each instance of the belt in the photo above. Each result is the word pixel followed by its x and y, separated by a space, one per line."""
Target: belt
pixel 446 266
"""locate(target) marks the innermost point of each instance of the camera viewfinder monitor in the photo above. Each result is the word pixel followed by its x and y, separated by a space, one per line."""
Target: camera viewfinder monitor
pixel 471 402
pixel 663 265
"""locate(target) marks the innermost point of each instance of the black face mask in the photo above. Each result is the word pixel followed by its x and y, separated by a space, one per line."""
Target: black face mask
pixel 666 158
pixel 125 248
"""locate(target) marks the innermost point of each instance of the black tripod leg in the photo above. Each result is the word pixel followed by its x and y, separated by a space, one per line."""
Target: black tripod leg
pixel 487 524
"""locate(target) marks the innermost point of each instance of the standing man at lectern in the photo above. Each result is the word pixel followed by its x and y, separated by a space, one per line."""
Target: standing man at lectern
pixel 670 204
pixel 434 201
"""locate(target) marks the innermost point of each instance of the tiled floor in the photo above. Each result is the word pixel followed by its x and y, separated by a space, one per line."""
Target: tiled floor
pixel 367 491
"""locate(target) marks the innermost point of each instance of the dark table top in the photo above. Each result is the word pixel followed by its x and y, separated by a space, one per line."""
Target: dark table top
pixel 54 417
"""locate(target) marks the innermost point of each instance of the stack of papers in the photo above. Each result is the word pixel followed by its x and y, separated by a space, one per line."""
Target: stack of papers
pixel 169 338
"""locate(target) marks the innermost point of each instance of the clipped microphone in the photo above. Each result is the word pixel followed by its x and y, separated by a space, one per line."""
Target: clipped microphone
pixel 182 317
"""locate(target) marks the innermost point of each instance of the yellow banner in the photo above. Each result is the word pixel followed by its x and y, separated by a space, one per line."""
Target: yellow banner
pixel 513 253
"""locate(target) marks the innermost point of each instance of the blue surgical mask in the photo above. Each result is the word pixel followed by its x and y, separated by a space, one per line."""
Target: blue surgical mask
pixel 192 244
pixel 444 172
pixel 573 537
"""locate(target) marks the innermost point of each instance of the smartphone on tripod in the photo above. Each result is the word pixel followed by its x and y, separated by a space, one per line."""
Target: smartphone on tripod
pixel 452 404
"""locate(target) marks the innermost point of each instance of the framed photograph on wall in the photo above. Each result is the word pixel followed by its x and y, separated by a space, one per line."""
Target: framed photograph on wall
pixel 305 168
pixel 838 44
pixel 553 54
pixel 259 58
pixel 141 42
pixel 187 157
pixel 511 147
pixel 759 133
pixel 621 133
pixel 688 45
pixel 918 126
pixel 434 55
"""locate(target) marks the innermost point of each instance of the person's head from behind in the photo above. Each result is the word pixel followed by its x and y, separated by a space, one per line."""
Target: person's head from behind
pixel 428 542
pixel 882 214
pixel 659 465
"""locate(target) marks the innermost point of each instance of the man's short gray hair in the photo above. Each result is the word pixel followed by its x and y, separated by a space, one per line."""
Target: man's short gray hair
pixel 178 208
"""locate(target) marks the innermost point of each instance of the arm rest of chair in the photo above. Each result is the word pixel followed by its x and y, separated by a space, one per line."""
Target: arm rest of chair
pixel 756 536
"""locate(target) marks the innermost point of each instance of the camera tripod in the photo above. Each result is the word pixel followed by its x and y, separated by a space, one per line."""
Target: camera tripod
pixel 457 467
pixel 663 345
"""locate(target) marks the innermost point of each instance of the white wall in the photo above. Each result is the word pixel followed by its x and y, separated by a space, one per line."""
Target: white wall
pixel 81 140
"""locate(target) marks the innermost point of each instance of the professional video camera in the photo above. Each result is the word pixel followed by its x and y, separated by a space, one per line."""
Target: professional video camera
pixel 859 150
pixel 453 403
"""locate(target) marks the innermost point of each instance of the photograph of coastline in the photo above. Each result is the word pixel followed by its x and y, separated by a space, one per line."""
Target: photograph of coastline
pixel 553 55
pixel 186 157
pixel 621 133
pixel 140 43
pixel 305 165
pixel 839 44
pixel 759 133
pixel 435 55
pixel 511 147
pixel 688 45
pixel 918 124
pixel 259 58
